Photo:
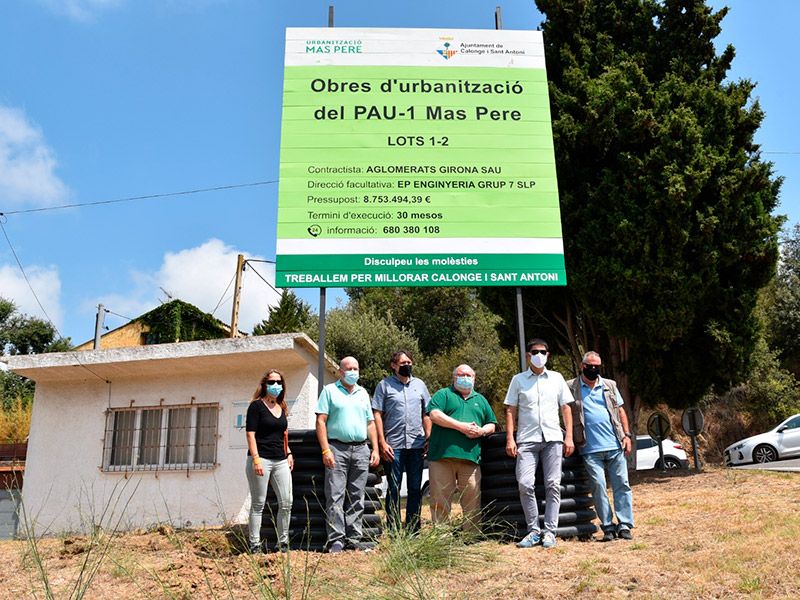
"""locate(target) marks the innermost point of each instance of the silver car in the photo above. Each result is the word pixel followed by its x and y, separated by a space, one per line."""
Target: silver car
pixel 783 441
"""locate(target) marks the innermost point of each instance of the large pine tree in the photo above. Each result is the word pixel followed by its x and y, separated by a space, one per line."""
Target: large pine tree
pixel 666 204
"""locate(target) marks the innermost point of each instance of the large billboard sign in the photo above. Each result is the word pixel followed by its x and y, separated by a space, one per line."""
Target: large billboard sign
pixel 417 157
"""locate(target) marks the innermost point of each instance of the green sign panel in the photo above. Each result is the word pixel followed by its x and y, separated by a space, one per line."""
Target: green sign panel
pixel 417 157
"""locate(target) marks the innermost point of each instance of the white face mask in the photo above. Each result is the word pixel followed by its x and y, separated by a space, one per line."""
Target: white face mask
pixel 539 360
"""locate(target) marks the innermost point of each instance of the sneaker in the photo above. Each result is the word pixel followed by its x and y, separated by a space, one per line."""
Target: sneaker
pixel 336 547
pixel 255 549
pixel 282 547
pixel 608 536
pixel 529 541
pixel 356 545
pixel 549 540
pixel 625 534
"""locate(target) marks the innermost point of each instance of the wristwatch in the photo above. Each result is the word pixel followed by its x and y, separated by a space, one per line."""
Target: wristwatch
pixel 628 435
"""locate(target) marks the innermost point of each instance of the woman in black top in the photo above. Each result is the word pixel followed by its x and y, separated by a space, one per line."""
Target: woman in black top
pixel 268 457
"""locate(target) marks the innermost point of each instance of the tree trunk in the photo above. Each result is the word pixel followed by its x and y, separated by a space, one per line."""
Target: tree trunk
pixel 620 350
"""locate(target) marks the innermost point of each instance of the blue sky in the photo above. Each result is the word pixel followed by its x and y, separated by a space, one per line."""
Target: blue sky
pixel 110 99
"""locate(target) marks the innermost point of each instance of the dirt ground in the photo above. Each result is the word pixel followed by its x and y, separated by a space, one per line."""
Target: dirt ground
pixel 715 534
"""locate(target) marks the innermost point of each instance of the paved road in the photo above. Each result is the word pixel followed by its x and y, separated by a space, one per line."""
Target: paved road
pixel 780 465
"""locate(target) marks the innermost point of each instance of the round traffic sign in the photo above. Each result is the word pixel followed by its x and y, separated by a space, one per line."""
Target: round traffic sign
pixel 658 426
pixel 692 421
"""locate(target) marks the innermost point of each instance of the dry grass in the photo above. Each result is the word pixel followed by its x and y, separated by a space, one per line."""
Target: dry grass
pixel 716 534
pixel 15 421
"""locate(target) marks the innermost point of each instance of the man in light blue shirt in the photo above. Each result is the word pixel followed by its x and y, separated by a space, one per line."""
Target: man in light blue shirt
pixel 399 405
pixel 532 403
pixel 344 422
pixel 602 434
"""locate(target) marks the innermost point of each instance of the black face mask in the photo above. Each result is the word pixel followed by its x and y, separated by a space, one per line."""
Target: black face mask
pixel 404 370
pixel 591 372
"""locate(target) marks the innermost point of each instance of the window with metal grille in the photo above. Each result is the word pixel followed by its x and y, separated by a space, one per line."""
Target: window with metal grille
pixel 161 438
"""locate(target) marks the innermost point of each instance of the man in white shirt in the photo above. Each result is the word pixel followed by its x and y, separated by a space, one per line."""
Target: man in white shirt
pixel 532 404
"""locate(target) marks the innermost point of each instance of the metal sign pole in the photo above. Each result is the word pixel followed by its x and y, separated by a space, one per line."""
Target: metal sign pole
pixel 498 24
pixel 693 423
pixel 321 358
pixel 520 331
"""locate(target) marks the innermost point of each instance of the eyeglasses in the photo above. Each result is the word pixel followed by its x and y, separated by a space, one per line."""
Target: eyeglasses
pixel 532 352
pixel 591 366
pixel 274 380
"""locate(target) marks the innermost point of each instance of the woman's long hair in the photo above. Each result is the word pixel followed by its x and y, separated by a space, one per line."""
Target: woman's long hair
pixel 261 391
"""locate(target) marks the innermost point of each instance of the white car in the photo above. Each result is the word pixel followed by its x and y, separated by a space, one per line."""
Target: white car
pixel 647 454
pixel 783 441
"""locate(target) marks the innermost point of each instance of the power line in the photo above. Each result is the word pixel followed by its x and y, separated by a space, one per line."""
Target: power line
pixel 151 196
pixel 259 274
pixel 111 312
pixel 28 281
pixel 49 320
pixel 222 298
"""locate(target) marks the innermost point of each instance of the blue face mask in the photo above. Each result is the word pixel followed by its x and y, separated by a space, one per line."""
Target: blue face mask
pixel 465 382
pixel 274 389
pixel 351 377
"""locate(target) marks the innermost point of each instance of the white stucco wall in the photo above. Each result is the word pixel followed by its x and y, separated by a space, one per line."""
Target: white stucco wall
pixel 64 487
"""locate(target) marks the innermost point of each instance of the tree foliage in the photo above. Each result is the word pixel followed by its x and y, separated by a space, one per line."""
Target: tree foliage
pixel 434 314
pixel 666 203
pixel 360 332
pixel 449 326
pixel 772 392
pixel 291 315
pixel 21 334
pixel 782 304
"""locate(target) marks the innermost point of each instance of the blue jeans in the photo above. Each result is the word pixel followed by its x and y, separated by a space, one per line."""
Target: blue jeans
pixel 409 461
pixel 596 465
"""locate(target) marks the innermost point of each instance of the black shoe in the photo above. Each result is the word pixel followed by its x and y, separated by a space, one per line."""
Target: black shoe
pixel 625 534
pixel 608 536
pixel 282 547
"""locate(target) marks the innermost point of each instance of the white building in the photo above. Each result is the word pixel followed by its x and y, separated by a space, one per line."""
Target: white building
pixel 154 434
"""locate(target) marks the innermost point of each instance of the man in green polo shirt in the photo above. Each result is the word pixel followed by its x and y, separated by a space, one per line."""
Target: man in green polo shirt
pixel 461 417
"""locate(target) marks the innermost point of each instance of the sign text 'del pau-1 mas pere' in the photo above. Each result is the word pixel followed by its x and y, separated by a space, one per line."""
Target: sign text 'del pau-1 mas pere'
pixel 417 157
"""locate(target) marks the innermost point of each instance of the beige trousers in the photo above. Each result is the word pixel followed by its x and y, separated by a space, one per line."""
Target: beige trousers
pixel 445 476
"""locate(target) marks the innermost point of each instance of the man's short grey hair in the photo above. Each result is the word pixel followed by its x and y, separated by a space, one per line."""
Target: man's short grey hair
pixel 341 362
pixel 591 353
pixel 455 371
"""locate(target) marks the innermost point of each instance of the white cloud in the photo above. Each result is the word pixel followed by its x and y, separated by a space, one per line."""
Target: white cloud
pixel 47 284
pixel 27 163
pixel 199 276
pixel 80 10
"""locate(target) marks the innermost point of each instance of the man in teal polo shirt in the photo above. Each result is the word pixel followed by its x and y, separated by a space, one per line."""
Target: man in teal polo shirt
pixel 461 417
pixel 344 422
